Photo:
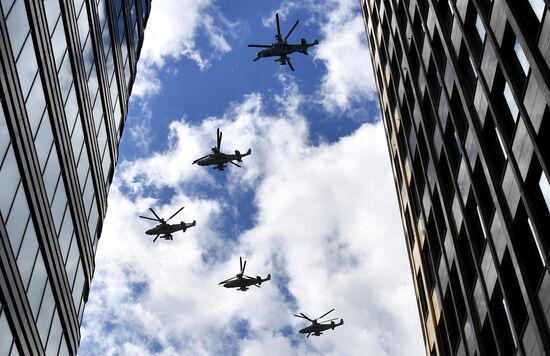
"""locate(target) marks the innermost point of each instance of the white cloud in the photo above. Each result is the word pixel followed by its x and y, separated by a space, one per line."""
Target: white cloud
pixel 327 228
pixel 343 49
pixel 169 35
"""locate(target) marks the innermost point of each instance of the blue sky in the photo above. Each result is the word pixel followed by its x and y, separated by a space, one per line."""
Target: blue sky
pixel 314 205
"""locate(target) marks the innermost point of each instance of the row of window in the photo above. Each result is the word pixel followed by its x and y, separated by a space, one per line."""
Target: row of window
pixel 482 223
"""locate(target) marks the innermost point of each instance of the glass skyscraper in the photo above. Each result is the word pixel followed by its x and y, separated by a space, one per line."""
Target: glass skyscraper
pixel 465 101
pixel 66 73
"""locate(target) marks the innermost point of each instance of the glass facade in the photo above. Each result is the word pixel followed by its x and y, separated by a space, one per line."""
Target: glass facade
pixel 465 97
pixel 66 73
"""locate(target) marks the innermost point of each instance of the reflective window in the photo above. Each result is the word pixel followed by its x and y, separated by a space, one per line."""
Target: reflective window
pixel 83 166
pixel 72 261
pixel 92 221
pixel 58 206
pixel 66 234
pixel 63 349
pixel 82 23
pixel 4 135
pixel 27 67
pixel 501 143
pixel 6 5
pixel 59 43
pixel 18 27
pixel 9 180
pixel 45 315
pixel 480 28
pixel 19 213
pixel 77 141
pixel 36 287
pixel 78 286
pixel 521 57
pixel 43 141
pixel 51 175
pixel 56 332
pixel 71 107
pixel 52 13
pixel 65 76
pixel 545 189
pixel 88 194
pixel 35 105
pixel 6 337
pixel 27 254
pixel 538 7
pixel 511 102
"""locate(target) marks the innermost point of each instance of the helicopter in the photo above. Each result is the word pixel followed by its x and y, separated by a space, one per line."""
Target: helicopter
pixel 164 228
pixel 219 159
pixel 281 48
pixel 317 327
pixel 242 281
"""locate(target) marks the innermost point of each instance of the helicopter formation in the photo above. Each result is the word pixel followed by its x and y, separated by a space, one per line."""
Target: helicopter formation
pixel 219 160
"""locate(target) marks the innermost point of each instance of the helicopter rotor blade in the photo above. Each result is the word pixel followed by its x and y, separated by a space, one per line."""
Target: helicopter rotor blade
pixel 159 219
pixel 326 321
pixel 156 237
pixel 292 29
pixel 290 64
pixel 330 311
pixel 278 25
pixel 244 266
pixel 259 46
pixel 233 163
pixel 219 137
pixel 227 280
pixel 198 159
pixel 176 213
pixel 148 218
pixel 305 317
pixel 241 263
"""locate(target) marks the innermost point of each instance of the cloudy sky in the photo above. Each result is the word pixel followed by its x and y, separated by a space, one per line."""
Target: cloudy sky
pixel 314 205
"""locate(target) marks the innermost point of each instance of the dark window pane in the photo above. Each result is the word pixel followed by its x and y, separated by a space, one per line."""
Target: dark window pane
pixel 9 179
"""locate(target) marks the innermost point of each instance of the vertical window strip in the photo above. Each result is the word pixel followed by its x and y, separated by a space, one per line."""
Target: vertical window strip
pixel 545 189
pixel 511 102
pixel 509 318
pixel 530 223
pixel 501 142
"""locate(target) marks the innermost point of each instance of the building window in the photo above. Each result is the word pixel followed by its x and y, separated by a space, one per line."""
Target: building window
pixel 480 28
pixel 511 102
pixel 545 189
pixel 502 146
pixel 538 7
pixel 521 57
pixel 541 255
pixel 481 222
pixel 509 319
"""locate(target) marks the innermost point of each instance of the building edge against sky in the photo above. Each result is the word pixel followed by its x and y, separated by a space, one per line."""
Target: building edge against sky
pixel 464 93
pixel 66 73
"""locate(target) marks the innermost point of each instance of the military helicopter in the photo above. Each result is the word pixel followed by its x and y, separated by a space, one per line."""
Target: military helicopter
pixel 219 159
pixel 281 48
pixel 317 327
pixel 242 281
pixel 164 228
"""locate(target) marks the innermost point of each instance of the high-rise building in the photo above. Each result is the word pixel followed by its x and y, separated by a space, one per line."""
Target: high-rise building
pixel 66 72
pixel 464 97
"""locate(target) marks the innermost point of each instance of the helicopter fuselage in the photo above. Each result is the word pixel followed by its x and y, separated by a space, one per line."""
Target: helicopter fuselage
pixel 242 283
pixel 318 328
pixel 167 229
pixel 220 159
pixel 282 49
